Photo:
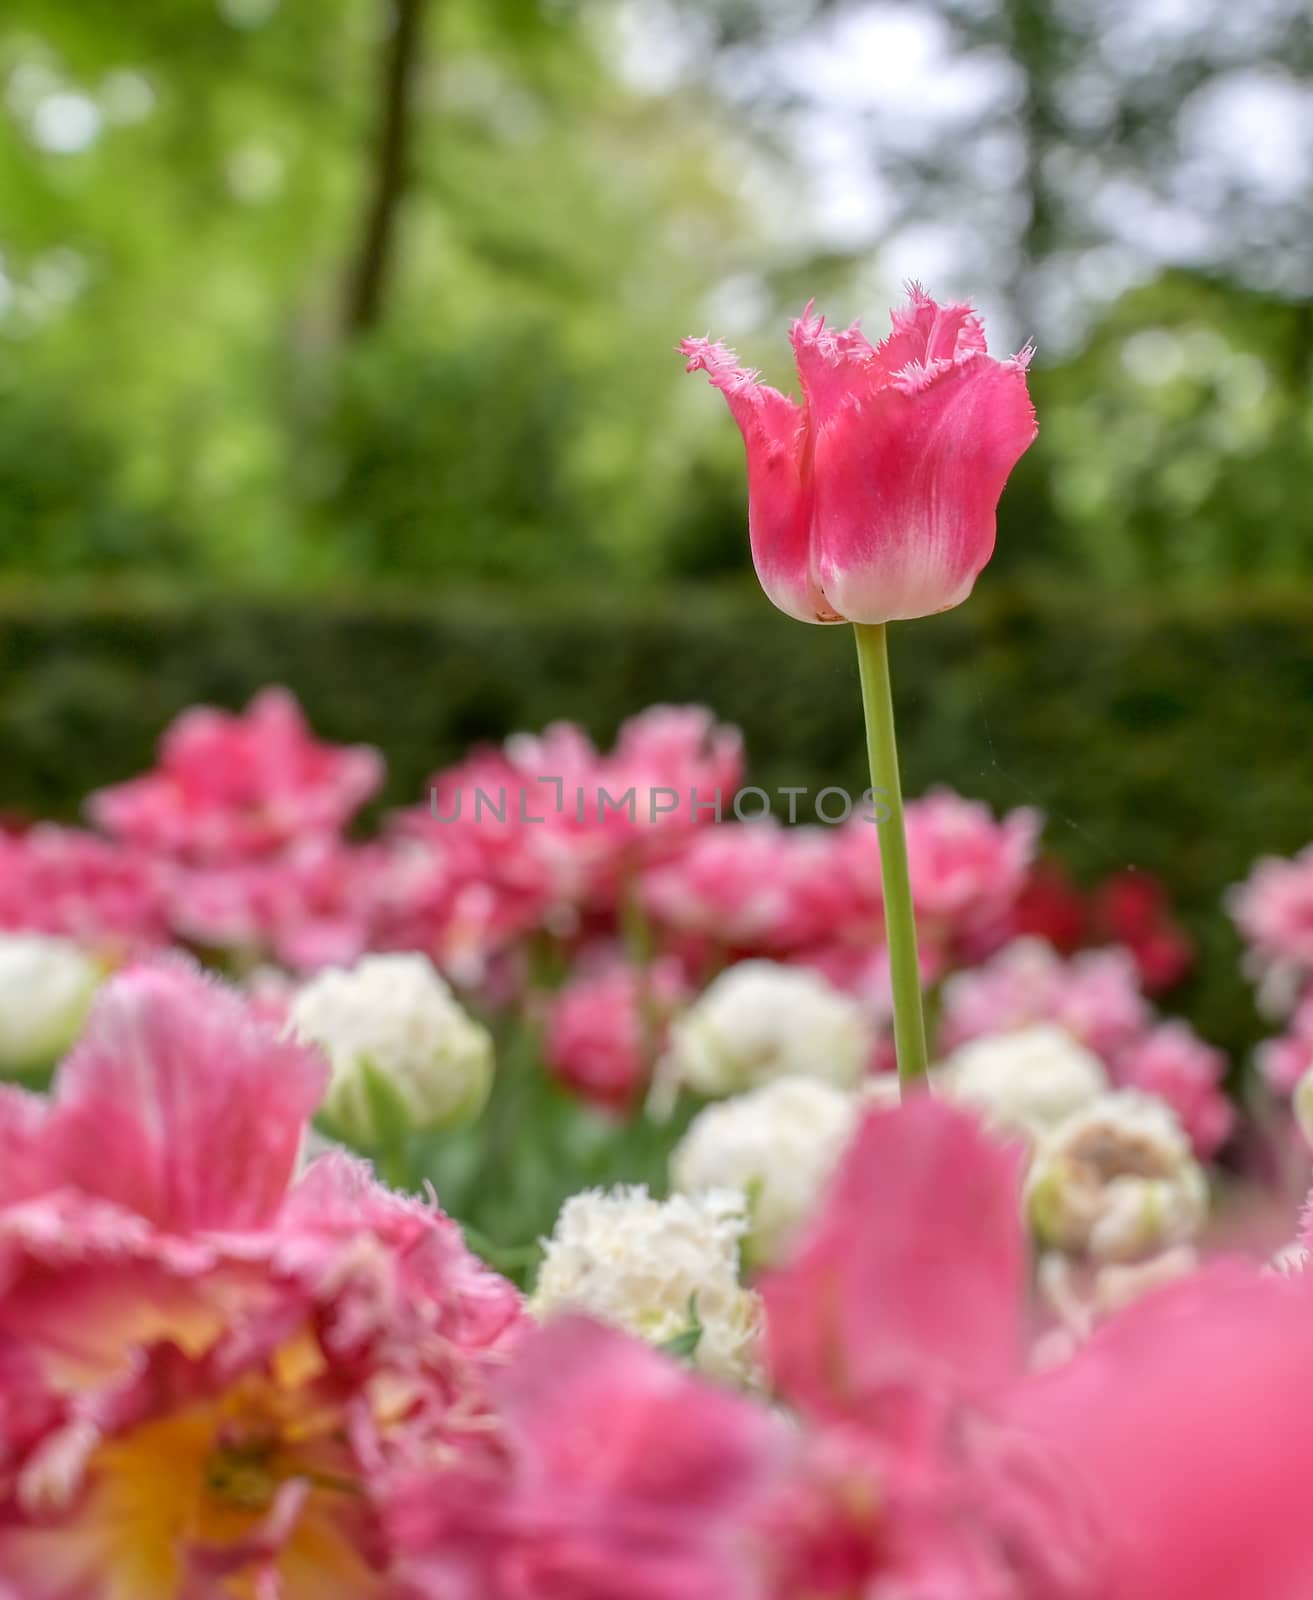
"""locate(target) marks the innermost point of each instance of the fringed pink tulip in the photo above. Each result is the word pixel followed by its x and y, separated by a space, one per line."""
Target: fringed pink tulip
pixel 622 1476
pixel 874 499
pixel 207 1382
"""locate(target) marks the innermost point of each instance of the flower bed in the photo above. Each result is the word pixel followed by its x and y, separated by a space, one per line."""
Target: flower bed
pixel 576 1185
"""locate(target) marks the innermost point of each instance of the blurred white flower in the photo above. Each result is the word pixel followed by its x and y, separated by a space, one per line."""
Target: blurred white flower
pixel 760 1021
pixel 652 1267
pixel 1118 1284
pixel 1117 1181
pixel 777 1144
pixel 1023 1082
pixel 46 985
pixel 397 1041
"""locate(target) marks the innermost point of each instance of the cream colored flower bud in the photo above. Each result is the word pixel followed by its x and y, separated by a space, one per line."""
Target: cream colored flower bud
pixel 1116 1181
pixel 778 1144
pixel 653 1267
pixel 759 1021
pixel 1024 1082
pixel 404 1055
pixel 46 985
pixel 1119 1284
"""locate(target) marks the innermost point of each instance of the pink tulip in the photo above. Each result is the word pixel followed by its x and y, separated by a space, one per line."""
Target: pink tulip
pixel 1174 1063
pixel 109 897
pixel 605 1029
pixel 753 888
pixel 1166 1457
pixel 228 788
pixel 896 1330
pixel 559 828
pixel 178 1107
pixel 1273 909
pixel 312 905
pixel 1283 1061
pixel 967 870
pixel 1095 996
pixel 624 1476
pixel 875 498
pixel 207 1383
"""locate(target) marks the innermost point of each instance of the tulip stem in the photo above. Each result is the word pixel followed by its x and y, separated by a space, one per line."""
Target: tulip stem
pixel 899 919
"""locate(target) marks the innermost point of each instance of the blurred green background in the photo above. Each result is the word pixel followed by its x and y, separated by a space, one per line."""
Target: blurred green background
pixel 336 348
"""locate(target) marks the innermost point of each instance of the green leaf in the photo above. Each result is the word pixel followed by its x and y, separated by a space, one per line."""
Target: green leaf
pixel 683 1346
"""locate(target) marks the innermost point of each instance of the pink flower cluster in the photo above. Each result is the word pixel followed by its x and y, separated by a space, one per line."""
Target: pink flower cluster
pixel 233 842
pixel 1273 912
pixel 1096 997
pixel 234 846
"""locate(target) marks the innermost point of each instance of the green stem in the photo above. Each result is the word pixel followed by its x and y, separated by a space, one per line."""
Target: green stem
pixel 899 920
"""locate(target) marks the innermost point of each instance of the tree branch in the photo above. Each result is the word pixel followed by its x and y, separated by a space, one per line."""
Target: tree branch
pixel 368 276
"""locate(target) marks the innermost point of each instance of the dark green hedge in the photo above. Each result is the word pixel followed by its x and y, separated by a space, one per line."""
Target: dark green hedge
pixel 1171 734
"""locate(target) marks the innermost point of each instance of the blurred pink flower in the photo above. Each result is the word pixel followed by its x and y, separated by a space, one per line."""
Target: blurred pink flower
pixel 887 1325
pixel 231 787
pixel 559 827
pixel 876 497
pixel 203 1377
pixel 967 867
pixel 606 1027
pixel 1273 909
pixel 429 894
pixel 1131 909
pixel 312 905
pixel 1174 1063
pixel 752 888
pixel 896 1340
pixel 623 1476
pixel 1187 1423
pixel 110 898
pixel 1284 1061
pixel 1049 907
pixel 178 1107
pixel 1095 996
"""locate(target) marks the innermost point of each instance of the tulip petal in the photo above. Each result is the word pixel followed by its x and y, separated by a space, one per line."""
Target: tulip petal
pixel 833 366
pixel 907 485
pixel 907 1291
pixel 178 1106
pixel 1188 1419
pixel 926 332
pixel 22 1123
pixel 780 498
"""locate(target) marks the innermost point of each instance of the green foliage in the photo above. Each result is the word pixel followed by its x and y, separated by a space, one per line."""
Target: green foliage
pixel 1155 733
pixel 1179 444
pixel 182 389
